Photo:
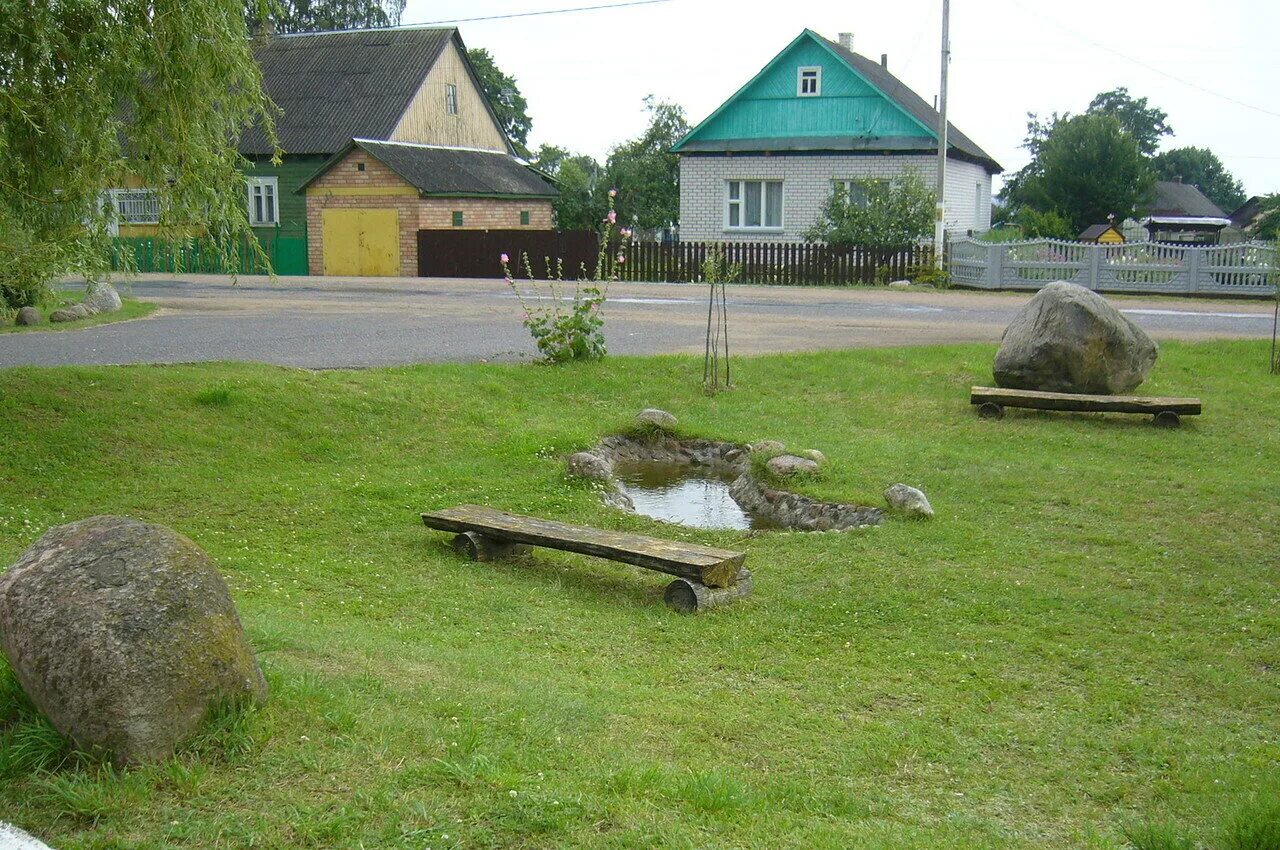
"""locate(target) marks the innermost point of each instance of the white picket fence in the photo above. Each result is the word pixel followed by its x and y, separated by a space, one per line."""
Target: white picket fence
pixel 1248 268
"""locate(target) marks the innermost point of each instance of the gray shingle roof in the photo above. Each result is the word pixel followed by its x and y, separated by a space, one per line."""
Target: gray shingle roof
pixel 452 172
pixel 916 106
pixel 333 87
pixel 1171 198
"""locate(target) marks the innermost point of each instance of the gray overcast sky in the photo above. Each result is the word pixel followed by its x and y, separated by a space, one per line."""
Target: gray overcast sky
pixel 585 73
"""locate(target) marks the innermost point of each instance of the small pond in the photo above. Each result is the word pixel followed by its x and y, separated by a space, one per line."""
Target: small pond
pixel 688 495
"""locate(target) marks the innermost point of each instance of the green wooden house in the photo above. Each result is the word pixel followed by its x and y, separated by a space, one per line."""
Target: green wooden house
pixel 818 116
pixel 413 85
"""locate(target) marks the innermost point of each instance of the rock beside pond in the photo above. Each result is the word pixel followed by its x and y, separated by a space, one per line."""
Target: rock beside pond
pixel 28 316
pixel 908 500
pixel 785 466
pixel 124 635
pixel 654 418
pixel 102 298
pixel 765 447
pixel 1069 339
pixel 590 466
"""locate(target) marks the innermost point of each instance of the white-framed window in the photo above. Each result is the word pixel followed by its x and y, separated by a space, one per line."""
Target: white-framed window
pixel 136 206
pixel 451 99
pixel 753 205
pixel 809 81
pixel 855 191
pixel 264 207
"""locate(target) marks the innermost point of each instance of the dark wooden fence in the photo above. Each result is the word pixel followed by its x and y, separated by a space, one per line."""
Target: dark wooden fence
pixel 786 263
pixel 475 253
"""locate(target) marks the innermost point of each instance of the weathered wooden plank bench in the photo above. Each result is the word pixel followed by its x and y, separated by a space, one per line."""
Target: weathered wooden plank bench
pixel 1166 412
pixel 705 577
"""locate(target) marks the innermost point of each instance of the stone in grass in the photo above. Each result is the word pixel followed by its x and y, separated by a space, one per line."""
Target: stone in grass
pixel 590 465
pixel 28 316
pixel 900 284
pixel 766 447
pixel 1069 339
pixel 651 417
pixel 12 838
pixel 64 314
pixel 814 455
pixel 102 298
pixel 785 466
pixel 909 501
pixel 124 635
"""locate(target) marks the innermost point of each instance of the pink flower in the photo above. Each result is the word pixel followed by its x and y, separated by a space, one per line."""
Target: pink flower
pixel 505 259
pixel 622 258
pixel 625 232
pixel 613 193
pixel 612 218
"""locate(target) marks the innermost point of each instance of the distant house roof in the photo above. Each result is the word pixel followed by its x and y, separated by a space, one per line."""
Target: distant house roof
pixel 1173 199
pixel 333 87
pixel 450 172
pixel 917 132
pixel 1094 231
pixel 1247 213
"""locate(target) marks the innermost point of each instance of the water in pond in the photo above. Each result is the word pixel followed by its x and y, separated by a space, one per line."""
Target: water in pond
pixel 687 495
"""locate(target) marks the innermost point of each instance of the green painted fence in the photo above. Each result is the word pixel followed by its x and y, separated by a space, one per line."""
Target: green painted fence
pixel 286 251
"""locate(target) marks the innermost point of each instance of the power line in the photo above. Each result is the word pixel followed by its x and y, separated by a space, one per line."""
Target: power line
pixel 1152 68
pixel 600 7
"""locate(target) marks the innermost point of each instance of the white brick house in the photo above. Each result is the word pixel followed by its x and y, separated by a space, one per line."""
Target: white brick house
pixel 762 165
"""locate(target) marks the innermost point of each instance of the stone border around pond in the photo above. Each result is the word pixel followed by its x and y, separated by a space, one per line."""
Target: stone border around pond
pixel 789 511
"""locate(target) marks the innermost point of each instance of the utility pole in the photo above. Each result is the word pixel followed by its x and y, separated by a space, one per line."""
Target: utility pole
pixel 940 223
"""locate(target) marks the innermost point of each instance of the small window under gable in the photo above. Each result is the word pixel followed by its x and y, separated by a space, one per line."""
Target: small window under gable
pixel 451 99
pixel 809 81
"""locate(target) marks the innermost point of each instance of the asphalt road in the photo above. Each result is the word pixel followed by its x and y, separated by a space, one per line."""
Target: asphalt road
pixel 333 323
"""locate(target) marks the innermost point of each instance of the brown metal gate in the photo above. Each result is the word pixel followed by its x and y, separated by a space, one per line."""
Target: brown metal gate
pixel 475 253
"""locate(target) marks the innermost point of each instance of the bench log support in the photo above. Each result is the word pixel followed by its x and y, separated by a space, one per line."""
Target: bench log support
pixel 690 597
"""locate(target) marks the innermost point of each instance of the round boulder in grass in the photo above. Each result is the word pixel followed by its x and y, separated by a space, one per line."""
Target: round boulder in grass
pixel 102 298
pixel 654 418
pixel 124 635
pixel 1069 339
pixel 28 316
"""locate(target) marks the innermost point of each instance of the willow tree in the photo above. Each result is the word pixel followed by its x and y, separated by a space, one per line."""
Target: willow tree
pixel 96 94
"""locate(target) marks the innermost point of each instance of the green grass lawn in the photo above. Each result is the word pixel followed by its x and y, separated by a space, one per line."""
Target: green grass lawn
pixel 129 309
pixel 1084 643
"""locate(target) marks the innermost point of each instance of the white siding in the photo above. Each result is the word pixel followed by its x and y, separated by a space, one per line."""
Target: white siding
pixel 807 184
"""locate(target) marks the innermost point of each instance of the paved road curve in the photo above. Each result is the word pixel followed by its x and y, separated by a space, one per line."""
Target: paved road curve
pixel 330 323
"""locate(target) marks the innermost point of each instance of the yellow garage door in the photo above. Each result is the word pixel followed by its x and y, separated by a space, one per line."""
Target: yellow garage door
pixel 362 242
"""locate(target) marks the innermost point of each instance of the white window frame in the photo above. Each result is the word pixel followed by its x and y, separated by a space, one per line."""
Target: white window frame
pixel 741 203
pixel 135 206
pixel 801 79
pixel 267 188
pixel 450 99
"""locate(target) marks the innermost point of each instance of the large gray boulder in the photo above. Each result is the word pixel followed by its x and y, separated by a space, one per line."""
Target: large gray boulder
pixel 124 635
pixel 102 298
pixel 1068 339
pixel 28 316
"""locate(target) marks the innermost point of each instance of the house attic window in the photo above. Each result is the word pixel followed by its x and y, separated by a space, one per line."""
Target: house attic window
pixel 451 99
pixel 809 82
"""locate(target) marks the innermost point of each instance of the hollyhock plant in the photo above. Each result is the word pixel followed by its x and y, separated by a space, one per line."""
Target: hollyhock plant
pixel 568 327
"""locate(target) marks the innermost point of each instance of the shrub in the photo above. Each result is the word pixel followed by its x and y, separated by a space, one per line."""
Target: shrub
pixel 572 327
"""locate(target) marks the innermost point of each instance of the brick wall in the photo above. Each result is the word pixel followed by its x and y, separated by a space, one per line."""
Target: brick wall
pixel 807 183
pixel 415 212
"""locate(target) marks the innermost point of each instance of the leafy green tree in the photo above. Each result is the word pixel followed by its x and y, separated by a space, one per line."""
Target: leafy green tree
pixel 1201 168
pixel 1088 167
pixel 287 16
pixel 92 91
pixel 504 95
pixel 1146 124
pixel 1268 224
pixel 645 171
pixel 877 214
pixel 584 199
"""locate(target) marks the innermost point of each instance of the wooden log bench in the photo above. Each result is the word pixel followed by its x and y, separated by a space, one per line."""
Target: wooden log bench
pixel 1165 412
pixel 705 577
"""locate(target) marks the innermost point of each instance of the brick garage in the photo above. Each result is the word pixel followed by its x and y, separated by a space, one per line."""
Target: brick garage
pixel 430 188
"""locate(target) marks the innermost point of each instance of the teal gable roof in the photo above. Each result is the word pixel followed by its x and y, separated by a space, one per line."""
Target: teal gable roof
pixel 861 107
